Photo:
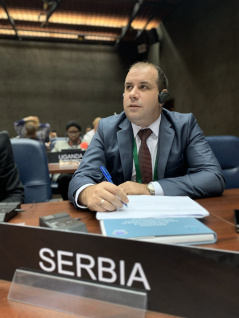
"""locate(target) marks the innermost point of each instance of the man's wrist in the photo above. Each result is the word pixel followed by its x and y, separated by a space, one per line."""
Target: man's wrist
pixel 150 188
pixel 78 202
pixel 82 199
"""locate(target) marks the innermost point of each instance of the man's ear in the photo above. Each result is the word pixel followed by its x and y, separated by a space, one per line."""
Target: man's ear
pixel 163 96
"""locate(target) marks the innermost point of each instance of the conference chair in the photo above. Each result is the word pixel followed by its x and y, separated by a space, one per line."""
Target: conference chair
pixel 31 160
pixel 226 150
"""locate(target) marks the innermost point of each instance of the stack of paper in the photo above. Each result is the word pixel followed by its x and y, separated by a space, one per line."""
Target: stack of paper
pixel 145 206
pixel 158 219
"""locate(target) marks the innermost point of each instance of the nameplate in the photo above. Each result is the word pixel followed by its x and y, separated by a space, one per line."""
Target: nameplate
pixel 65 155
pixel 181 281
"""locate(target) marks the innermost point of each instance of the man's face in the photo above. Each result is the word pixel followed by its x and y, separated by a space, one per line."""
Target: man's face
pixel 141 96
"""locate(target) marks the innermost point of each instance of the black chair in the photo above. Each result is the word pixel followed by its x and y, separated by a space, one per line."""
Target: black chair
pixel 31 159
pixel 226 150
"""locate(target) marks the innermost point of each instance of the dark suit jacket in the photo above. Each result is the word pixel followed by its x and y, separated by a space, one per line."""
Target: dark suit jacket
pixel 11 188
pixel 186 165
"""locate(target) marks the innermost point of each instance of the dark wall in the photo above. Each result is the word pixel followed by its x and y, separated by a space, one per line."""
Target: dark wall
pixel 199 52
pixel 200 55
pixel 59 82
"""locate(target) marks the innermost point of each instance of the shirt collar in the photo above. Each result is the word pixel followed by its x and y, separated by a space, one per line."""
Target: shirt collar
pixel 154 127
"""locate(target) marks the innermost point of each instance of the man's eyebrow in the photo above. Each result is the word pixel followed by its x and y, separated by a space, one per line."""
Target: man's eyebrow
pixel 143 82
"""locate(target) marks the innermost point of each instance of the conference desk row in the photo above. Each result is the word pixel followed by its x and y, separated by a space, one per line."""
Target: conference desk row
pixel 221 220
pixel 62 168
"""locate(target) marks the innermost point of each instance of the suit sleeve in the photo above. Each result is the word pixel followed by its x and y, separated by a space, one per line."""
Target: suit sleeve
pixel 203 176
pixel 89 171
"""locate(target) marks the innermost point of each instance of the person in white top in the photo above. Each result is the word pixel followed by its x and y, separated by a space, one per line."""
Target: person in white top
pixel 72 141
pixel 90 134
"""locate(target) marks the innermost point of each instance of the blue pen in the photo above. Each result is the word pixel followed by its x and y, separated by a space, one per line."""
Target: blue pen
pixel 109 178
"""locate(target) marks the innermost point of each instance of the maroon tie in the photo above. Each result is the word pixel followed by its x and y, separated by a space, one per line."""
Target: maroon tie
pixel 145 164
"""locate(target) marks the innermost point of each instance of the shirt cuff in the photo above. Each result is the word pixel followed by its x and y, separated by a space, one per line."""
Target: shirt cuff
pixel 158 189
pixel 78 193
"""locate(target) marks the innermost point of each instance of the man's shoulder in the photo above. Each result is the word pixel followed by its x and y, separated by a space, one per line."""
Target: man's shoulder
pixel 176 117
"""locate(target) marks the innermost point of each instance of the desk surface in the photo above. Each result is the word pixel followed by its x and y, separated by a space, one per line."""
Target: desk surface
pixel 221 220
pixel 59 168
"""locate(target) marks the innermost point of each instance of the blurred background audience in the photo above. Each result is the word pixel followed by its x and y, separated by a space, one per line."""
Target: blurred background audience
pixel 89 135
pixel 42 129
pixel 72 141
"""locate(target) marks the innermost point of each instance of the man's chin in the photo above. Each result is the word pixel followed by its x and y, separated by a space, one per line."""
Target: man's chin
pixel 135 119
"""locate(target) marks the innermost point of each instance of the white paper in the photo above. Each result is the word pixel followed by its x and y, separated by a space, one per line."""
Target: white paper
pixel 145 206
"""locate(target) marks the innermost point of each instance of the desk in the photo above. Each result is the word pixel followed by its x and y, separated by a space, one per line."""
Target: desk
pixel 220 220
pixel 223 207
pixel 58 168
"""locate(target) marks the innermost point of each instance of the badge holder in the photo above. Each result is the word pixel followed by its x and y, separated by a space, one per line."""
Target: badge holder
pixel 76 297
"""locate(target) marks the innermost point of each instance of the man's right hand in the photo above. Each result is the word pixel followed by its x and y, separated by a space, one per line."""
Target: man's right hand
pixel 103 197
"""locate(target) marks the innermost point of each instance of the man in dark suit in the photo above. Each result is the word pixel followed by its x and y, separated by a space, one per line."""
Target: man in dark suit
pixel 11 188
pixel 182 163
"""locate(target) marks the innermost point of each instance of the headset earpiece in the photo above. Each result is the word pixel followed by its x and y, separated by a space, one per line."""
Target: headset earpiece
pixel 123 95
pixel 162 97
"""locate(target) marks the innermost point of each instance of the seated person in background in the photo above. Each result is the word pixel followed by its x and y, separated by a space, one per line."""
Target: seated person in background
pixel 30 131
pixel 89 135
pixel 11 188
pixel 179 160
pixel 88 128
pixel 42 129
pixel 73 131
pixel 52 136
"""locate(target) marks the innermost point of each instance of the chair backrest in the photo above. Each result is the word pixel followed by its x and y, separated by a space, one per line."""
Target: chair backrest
pixel 31 160
pixel 226 150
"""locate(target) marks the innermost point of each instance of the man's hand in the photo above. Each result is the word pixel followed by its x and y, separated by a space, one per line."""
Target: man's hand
pixel 134 188
pixel 103 197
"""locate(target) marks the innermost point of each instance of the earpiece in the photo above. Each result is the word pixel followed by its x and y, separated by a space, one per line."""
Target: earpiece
pixel 162 97
pixel 123 95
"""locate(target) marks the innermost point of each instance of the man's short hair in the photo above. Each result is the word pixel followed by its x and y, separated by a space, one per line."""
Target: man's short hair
pixel 162 80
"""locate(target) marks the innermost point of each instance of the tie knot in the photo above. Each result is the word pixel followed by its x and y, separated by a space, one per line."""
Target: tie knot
pixel 144 134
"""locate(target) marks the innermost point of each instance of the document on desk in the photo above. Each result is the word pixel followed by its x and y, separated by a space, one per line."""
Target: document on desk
pixel 145 206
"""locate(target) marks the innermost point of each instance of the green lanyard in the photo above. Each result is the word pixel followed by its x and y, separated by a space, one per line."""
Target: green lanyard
pixel 136 161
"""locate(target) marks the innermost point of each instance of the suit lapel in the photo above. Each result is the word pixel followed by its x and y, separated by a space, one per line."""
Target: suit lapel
pixel 166 135
pixel 125 141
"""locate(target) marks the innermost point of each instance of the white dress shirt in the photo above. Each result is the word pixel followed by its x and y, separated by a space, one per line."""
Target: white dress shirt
pixel 152 143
